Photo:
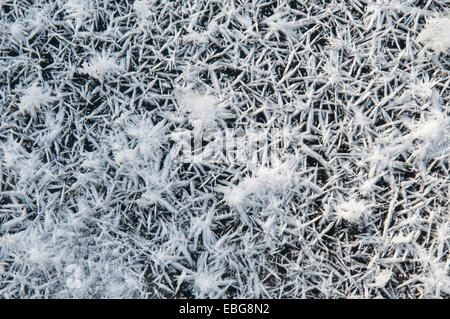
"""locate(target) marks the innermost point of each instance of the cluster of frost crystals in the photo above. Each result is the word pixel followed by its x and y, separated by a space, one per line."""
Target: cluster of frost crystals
pixel 345 196
pixel 435 35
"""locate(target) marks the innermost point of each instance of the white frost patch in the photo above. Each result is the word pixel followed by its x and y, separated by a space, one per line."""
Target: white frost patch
pixel 17 30
pixel 351 210
pixel 436 34
pixel 37 255
pixel 148 136
pixel 205 282
pixel 382 278
pixel 203 109
pixel 235 196
pixel 423 88
pixel 74 279
pixel 100 66
pixel 76 11
pixel 402 239
pixel 12 153
pixel 280 23
pixel 219 150
pixel 433 129
pixel 266 179
pixel 34 97
pixel 428 130
pixel 429 137
pixel 196 37
pixel 125 156
pixel 91 161
pixel 142 8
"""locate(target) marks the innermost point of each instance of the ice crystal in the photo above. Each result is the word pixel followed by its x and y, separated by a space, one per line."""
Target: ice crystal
pixel 224 149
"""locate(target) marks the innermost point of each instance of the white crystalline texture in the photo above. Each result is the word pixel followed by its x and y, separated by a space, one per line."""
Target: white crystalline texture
pixel 196 37
pixel 351 210
pixel 430 130
pixel 436 34
pixel 200 107
pixel 224 149
pixel 142 8
pixel 125 156
pixel 382 278
pixel 16 30
pixel 74 279
pixel 75 8
pixel 33 98
pixel 266 180
pixel 100 66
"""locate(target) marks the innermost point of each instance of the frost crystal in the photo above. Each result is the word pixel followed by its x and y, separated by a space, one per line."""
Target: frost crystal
pixel 436 34
pixel 100 66
pixel 201 108
pixel 224 149
pixel 33 98
pixel 351 210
